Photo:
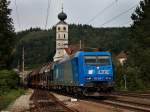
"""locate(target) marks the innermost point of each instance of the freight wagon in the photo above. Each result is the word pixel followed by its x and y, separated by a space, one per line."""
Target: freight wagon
pixel 83 73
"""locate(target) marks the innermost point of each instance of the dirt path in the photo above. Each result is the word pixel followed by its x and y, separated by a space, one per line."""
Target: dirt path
pixel 21 104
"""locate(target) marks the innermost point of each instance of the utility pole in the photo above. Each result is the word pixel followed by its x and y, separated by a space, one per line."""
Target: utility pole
pixel 18 65
pixel 125 81
pixel 80 44
pixel 23 62
pixel 124 75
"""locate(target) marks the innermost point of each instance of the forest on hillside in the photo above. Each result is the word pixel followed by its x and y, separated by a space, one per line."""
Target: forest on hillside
pixel 39 44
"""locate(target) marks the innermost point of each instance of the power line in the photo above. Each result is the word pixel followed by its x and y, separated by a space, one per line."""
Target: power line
pixel 112 19
pixel 48 8
pixel 101 12
pixel 17 14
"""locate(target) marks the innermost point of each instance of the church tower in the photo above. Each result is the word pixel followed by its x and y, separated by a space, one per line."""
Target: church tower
pixel 61 36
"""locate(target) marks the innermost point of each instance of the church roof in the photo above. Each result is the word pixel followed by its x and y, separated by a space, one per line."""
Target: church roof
pixel 62 16
pixel 72 49
pixel 61 22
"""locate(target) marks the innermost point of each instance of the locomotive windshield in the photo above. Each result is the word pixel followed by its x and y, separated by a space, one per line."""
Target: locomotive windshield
pixel 90 60
pixel 97 60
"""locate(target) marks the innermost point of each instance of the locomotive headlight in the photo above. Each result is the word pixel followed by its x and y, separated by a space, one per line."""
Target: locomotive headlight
pixel 108 78
pixel 103 72
pixel 89 78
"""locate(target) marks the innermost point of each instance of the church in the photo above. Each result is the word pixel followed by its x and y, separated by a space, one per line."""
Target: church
pixel 61 37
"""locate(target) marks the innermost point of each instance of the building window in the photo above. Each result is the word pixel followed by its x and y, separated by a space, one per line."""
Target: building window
pixel 58 44
pixel 64 36
pixel 58 28
pixel 64 28
pixel 58 35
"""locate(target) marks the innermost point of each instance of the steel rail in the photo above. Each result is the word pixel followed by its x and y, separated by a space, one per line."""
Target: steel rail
pixel 61 103
pixel 126 105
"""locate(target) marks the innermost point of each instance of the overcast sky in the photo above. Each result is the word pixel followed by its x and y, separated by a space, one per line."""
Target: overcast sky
pixel 32 13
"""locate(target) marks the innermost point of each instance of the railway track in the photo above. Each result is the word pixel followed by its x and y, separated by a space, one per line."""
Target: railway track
pixel 43 101
pixel 129 101
pixel 136 107
pixel 145 95
pixel 122 101
pixel 121 104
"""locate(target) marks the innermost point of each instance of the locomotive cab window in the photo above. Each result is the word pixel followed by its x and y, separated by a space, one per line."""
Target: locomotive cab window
pixel 103 60
pixel 90 60
pixel 97 60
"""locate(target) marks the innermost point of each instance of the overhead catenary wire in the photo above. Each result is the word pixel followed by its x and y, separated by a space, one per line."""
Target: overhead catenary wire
pixel 115 17
pixel 17 14
pixel 48 10
pixel 102 11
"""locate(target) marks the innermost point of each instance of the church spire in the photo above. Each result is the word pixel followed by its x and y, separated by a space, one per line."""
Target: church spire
pixel 62 7
pixel 62 16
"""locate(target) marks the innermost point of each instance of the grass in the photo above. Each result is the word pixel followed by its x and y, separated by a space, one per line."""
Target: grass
pixel 9 97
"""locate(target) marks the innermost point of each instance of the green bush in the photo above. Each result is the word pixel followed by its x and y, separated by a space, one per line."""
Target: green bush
pixel 9 97
pixel 8 80
pixel 134 81
pixel 133 77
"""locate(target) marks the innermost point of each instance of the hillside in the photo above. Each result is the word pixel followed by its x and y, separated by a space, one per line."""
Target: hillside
pixel 40 44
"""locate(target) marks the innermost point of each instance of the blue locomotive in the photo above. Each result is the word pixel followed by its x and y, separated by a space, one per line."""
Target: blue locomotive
pixel 83 73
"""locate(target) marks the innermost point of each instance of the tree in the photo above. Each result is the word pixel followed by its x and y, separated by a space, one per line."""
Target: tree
pixel 141 25
pixel 139 58
pixel 6 34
